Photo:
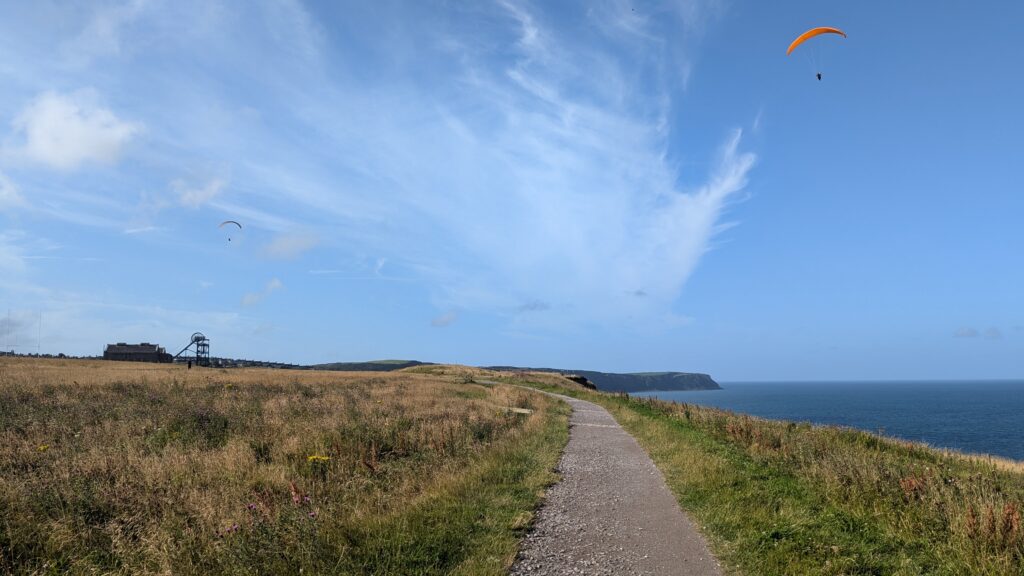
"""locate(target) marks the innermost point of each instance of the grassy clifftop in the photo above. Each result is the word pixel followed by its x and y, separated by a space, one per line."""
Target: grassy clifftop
pixel 792 499
pixel 371 366
pixel 109 467
pixel 606 381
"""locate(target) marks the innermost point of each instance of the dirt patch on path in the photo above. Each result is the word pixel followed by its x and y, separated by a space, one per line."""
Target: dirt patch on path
pixel 612 512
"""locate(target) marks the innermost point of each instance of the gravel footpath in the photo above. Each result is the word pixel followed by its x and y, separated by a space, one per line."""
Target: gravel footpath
pixel 612 512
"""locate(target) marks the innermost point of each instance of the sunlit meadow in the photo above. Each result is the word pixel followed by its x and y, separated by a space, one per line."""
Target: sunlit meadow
pixel 110 467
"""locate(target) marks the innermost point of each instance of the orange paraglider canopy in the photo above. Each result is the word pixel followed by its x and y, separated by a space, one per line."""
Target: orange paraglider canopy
pixel 811 34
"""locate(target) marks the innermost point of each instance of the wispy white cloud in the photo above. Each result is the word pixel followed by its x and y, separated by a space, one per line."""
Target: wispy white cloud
pixel 12 258
pixel 355 275
pixel 142 229
pixel 991 333
pixel 102 34
pixel 146 210
pixel 503 161
pixel 446 319
pixel 290 246
pixel 250 216
pixel 9 195
pixel 253 298
pixel 534 306
pixel 755 126
pixel 63 131
pixel 291 25
pixel 583 186
pixel 194 196
pixel 541 178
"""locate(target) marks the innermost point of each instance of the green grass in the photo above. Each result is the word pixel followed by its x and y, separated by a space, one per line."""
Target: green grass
pixel 792 499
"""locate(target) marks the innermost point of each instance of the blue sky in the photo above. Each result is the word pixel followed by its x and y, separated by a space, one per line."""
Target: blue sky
pixel 609 185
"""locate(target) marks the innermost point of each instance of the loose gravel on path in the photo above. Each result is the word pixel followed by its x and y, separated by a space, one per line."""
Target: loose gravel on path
pixel 611 513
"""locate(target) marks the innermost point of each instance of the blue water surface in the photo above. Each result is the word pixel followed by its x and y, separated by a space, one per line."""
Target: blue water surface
pixel 985 417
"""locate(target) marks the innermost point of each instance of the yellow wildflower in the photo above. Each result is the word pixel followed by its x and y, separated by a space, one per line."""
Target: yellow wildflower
pixel 43 447
pixel 317 458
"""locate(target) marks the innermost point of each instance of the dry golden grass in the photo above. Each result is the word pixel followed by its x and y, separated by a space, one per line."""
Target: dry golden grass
pixel 518 377
pixel 143 468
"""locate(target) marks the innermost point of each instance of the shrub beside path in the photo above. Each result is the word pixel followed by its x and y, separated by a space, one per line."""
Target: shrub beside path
pixel 611 513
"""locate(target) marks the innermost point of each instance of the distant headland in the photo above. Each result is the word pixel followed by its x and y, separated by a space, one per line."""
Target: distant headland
pixel 635 381
pixel 607 381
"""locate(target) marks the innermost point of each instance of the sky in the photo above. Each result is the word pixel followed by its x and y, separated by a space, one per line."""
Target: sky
pixel 605 185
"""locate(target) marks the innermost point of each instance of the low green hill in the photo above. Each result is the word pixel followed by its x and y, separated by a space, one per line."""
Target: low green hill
pixel 606 381
pixel 372 366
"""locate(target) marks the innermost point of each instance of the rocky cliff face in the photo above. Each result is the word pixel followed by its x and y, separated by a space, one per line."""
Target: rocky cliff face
pixel 581 380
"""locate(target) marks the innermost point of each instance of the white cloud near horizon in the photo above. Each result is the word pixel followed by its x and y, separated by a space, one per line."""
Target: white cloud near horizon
pixel 80 324
pixel 63 131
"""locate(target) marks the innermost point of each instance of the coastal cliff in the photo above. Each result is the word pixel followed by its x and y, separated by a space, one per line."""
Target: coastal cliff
pixel 649 381
pixel 633 382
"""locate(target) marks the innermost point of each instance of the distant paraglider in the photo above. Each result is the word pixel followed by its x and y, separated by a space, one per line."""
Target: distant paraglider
pixel 226 222
pixel 811 34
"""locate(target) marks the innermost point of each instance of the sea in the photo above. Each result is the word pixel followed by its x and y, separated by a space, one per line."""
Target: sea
pixel 981 417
